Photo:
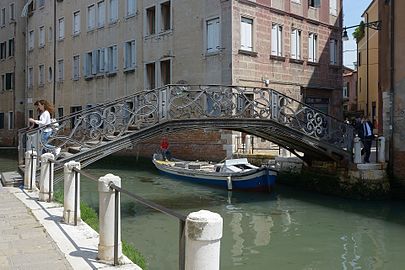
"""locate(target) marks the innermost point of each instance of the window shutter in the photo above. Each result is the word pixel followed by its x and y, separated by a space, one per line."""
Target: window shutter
pixel 332 51
pixel 298 41
pixel 279 40
pixel 246 34
pixel 311 48
pixel 210 36
pixel 9 78
pixel 115 58
pixel 94 62
pixel 333 7
pixel 317 3
pixel 293 44
pixel 216 34
pixel 106 60
pixel 274 39
pixel 101 57
pixel 133 54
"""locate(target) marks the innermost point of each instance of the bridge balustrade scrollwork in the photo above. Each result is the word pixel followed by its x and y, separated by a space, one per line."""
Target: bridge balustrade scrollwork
pixel 107 122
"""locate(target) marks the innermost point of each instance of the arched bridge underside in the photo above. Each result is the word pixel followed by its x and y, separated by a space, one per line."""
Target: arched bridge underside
pixel 107 128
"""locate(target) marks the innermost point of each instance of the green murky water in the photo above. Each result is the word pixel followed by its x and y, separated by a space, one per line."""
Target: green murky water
pixel 287 229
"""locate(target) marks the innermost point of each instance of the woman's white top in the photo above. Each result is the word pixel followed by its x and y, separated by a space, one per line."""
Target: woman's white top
pixel 44 119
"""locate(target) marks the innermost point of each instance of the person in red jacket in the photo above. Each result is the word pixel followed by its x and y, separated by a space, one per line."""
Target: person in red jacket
pixel 164 148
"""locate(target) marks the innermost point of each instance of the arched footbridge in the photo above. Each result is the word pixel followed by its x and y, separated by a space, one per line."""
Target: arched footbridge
pixel 96 132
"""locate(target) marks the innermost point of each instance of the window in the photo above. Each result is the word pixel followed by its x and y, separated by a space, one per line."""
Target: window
pixel 295 44
pixel 91 17
pixel 359 60
pixel 41 40
pixel 313 47
pixel 88 60
pixel 165 72
pixel 41 75
pixel 9 81
pixel 12 12
pixel 76 67
pixel 213 35
pixel 3 16
pixel 11 47
pixel 113 11
pixel 50 78
pixel 346 90
pixel 76 23
pixel 31 39
pixel 100 14
pixel 150 76
pixel 3 50
pixel 40 3
pixel 30 77
pixel 314 3
pixel 60 112
pixel 151 21
pixel 101 60
pixel 333 7
pixel 277 40
pixel 112 58
pixel 333 52
pixel 130 7
pixel 60 70
pixel 246 34
pixel 10 120
pixel 296 1
pixel 165 16
pixel 1 120
pixel 130 55
pixel 61 28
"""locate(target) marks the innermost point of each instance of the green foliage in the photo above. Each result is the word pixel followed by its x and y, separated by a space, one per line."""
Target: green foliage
pixel 358 33
pixel 89 215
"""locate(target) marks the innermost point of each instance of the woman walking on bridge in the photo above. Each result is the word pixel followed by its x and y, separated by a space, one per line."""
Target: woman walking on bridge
pixel 46 109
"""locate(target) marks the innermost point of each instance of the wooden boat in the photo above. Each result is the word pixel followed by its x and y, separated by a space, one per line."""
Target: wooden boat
pixel 233 174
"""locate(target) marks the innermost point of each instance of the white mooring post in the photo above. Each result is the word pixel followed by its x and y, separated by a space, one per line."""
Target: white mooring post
pixel 381 149
pixel 30 169
pixel 106 218
pixel 203 233
pixel 70 192
pixel 46 178
pixel 357 150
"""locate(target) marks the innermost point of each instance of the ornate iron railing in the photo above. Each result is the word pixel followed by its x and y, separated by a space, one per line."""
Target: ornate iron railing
pixel 107 122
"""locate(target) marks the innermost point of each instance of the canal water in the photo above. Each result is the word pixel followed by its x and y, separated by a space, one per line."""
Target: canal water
pixel 288 229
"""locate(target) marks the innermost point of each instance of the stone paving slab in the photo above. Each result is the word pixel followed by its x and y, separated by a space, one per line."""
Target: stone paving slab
pixel 78 244
pixel 24 243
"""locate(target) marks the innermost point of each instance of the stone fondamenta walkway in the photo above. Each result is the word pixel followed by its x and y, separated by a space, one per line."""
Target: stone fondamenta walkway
pixel 24 243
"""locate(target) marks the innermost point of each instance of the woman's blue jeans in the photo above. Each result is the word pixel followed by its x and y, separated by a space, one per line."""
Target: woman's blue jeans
pixel 44 138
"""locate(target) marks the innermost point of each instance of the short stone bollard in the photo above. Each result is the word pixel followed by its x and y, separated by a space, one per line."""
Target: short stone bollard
pixel 46 178
pixel 70 193
pixel 107 218
pixel 30 170
pixel 357 150
pixel 203 233
pixel 381 149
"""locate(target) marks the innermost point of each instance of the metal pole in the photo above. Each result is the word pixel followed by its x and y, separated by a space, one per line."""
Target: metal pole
pixel 182 245
pixel 367 64
pixel 50 184
pixel 75 216
pixel 116 228
pixel 32 166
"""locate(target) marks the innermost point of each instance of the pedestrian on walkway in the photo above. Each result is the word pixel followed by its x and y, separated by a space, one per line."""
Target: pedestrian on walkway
pixel 366 135
pixel 47 110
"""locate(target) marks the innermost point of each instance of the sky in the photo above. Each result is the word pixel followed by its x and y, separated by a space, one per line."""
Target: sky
pixel 352 11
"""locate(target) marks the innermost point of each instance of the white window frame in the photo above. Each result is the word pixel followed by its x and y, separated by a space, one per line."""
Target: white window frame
pixel 277 39
pixel 61 70
pixel 31 40
pixel 313 47
pixel 41 75
pixel 296 44
pixel 333 7
pixel 246 33
pixel 41 37
pixel 129 55
pixel 61 28
pixel 76 67
pixel 333 51
pixel 112 59
pixel 91 17
pixel 213 35
pixel 76 23
pixel 87 64
pixel 113 13
pixel 101 13
pixel 129 12
pixel 12 12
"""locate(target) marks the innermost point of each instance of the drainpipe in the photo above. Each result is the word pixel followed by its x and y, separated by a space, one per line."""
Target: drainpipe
pixel 392 89
pixel 54 53
pixel 367 34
